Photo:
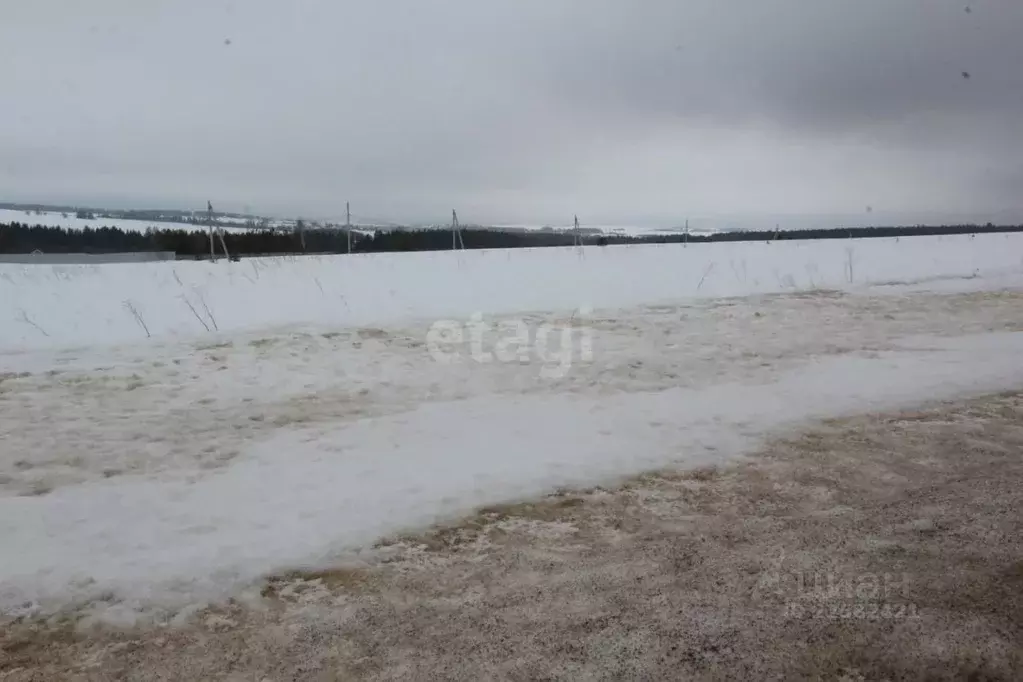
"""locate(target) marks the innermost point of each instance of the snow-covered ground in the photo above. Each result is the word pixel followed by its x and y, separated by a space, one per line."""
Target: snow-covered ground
pixel 148 462
pixel 52 306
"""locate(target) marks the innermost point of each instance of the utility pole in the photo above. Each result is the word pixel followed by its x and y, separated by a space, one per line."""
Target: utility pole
pixel 456 231
pixel 576 241
pixel 209 225
pixel 220 233
pixel 685 240
pixel 348 224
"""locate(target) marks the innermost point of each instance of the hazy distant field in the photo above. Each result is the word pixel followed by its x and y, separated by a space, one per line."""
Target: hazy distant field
pixel 71 222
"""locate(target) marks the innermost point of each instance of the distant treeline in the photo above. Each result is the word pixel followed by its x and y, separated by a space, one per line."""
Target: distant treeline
pixel 21 238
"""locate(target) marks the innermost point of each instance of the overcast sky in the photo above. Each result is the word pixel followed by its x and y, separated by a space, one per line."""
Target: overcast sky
pixel 517 110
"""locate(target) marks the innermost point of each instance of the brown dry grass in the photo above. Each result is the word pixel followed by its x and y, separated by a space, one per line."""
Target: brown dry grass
pixel 675 575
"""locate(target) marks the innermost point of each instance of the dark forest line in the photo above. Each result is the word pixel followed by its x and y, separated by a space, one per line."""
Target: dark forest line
pixel 19 238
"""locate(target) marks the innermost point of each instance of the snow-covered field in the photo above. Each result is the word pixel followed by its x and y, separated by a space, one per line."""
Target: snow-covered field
pixel 173 432
pixel 53 306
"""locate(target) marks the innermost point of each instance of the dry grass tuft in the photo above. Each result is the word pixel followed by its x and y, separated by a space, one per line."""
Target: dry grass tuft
pixel 345 579
pixel 22 649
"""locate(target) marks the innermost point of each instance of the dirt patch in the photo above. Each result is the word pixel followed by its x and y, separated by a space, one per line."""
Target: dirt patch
pixel 215 346
pixel 372 333
pixel 809 294
pixel 881 547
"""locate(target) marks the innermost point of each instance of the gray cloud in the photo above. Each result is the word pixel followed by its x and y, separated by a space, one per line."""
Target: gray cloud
pixel 526 111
